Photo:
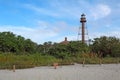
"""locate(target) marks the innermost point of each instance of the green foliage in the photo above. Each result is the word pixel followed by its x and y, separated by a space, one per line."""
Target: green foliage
pixel 77 47
pixel 110 60
pixel 9 42
pixel 24 53
pixel 104 46
pixel 72 49
pixel 107 46
pixel 25 61
pixel 31 60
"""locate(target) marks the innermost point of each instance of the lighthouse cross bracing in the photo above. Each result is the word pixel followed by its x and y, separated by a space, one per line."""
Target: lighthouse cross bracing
pixel 83 29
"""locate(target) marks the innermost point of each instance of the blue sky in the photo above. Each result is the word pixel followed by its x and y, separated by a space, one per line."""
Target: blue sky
pixel 52 20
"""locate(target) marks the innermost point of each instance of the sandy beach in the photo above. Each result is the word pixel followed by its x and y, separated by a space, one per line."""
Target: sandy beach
pixel 71 72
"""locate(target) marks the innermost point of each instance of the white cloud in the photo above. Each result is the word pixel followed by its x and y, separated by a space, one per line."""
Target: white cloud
pixel 42 24
pixel 57 9
pixel 100 11
pixel 99 34
pixel 35 34
pixel 43 32
pixel 60 10
pixel 41 10
pixel 58 26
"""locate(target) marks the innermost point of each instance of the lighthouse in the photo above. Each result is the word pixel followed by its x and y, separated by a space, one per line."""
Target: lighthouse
pixel 82 21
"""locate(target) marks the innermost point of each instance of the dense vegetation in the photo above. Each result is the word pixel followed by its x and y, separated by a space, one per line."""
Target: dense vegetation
pixel 107 46
pixel 9 42
pixel 15 49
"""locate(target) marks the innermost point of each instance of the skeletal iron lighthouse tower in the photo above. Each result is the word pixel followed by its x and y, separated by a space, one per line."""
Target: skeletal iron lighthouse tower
pixel 82 28
pixel 83 20
pixel 83 31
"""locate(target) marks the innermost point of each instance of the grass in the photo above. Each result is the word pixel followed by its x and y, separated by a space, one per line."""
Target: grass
pixel 28 61
pixel 25 61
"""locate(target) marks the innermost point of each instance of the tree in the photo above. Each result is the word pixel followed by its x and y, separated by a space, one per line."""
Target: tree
pixel 73 48
pixel 30 46
pixel 20 44
pixel 106 46
pixel 9 42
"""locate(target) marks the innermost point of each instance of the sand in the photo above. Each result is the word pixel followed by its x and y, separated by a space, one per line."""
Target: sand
pixel 72 72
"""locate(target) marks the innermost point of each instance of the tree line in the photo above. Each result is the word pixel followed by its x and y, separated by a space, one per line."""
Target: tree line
pixel 16 44
pixel 10 42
